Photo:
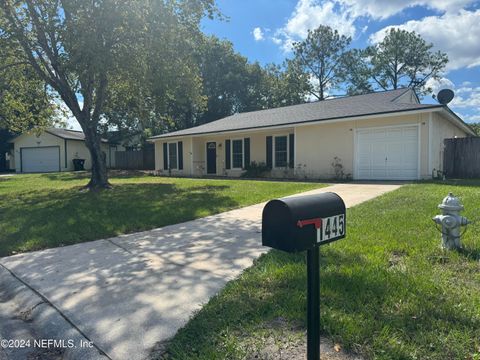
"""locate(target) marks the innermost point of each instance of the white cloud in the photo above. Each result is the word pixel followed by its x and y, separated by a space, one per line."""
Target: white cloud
pixel 258 34
pixel 309 14
pixel 469 118
pixel 381 9
pixel 276 40
pixel 342 14
pixel 467 98
pixel 454 33
pixel 472 118
pixel 466 101
pixel 73 124
pixel 437 85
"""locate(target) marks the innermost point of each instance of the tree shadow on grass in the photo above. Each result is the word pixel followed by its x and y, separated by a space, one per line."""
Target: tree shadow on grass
pixel 49 218
pixel 66 176
pixel 73 175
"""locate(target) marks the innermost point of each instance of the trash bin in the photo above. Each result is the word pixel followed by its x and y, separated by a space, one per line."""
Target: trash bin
pixel 78 164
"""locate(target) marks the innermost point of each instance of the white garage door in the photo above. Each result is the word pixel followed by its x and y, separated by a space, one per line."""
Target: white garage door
pixel 387 153
pixel 40 159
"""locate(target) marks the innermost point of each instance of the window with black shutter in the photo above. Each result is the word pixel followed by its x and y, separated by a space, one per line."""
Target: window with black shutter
pixel 227 155
pixel 237 154
pixel 172 156
pixel 246 152
pixel 269 152
pixel 180 155
pixel 281 151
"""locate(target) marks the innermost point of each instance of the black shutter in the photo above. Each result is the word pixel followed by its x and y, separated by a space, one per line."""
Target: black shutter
pixel 180 155
pixel 291 150
pixel 246 152
pixel 227 154
pixel 269 152
pixel 165 156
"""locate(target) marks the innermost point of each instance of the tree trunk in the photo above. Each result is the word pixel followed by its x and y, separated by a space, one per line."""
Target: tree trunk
pixel 99 178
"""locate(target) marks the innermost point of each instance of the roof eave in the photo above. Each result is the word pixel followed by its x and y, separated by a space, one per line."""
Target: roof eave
pixel 458 120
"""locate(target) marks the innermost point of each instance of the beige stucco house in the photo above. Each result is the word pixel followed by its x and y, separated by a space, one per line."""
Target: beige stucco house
pixel 53 150
pixel 378 136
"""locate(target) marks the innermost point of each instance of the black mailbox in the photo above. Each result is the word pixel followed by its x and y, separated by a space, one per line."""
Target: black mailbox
pixel 303 222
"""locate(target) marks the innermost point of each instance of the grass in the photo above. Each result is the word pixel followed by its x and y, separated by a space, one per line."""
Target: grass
pixel 387 290
pixel 49 210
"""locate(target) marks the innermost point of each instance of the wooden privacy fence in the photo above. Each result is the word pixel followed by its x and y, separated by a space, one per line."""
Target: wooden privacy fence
pixel 461 158
pixel 135 160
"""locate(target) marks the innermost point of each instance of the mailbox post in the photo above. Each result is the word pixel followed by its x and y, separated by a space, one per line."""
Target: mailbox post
pixel 305 223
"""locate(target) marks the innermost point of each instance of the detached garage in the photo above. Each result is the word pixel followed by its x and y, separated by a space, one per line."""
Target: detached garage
pixel 53 150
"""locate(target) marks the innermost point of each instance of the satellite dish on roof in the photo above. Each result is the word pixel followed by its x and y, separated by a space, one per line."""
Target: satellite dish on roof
pixel 445 96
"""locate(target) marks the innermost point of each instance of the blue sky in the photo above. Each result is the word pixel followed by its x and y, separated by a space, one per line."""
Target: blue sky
pixel 262 30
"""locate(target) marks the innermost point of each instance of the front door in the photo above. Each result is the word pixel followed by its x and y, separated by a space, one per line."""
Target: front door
pixel 211 157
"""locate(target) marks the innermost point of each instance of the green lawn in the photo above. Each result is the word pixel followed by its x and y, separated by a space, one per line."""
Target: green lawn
pixel 387 290
pixel 49 210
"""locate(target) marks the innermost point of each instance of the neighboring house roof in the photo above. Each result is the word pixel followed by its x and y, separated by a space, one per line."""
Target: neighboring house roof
pixel 68 134
pixel 65 134
pixel 384 102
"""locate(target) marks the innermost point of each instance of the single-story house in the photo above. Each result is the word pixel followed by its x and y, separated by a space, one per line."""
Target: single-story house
pixel 386 135
pixel 53 150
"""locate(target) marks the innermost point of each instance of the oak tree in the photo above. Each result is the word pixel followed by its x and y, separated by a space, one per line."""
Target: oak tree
pixel 77 47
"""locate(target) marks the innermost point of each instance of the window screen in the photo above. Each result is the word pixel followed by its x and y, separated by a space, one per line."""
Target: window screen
pixel 172 155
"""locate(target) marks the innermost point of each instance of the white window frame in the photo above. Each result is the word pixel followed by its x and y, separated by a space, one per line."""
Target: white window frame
pixel 168 154
pixel 243 154
pixel 274 152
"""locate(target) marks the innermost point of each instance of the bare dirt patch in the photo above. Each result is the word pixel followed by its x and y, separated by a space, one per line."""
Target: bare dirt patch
pixel 281 340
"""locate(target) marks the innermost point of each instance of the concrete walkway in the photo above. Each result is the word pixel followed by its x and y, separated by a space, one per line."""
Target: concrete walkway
pixel 129 292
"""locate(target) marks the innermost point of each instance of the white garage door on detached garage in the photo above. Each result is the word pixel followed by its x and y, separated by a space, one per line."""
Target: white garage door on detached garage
pixel 388 153
pixel 40 159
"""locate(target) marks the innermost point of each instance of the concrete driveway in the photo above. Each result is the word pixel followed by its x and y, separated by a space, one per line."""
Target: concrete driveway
pixel 127 293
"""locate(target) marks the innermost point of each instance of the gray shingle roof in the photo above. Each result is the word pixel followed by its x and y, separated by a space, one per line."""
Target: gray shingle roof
pixel 68 134
pixel 343 107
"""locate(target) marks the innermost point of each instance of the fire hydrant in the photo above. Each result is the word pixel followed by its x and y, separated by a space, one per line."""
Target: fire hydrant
pixel 451 222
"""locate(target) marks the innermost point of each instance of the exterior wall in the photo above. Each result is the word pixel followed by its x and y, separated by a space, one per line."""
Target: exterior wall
pixel 74 149
pixel 441 129
pixel 194 153
pixel 77 150
pixel 318 145
pixel 332 140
